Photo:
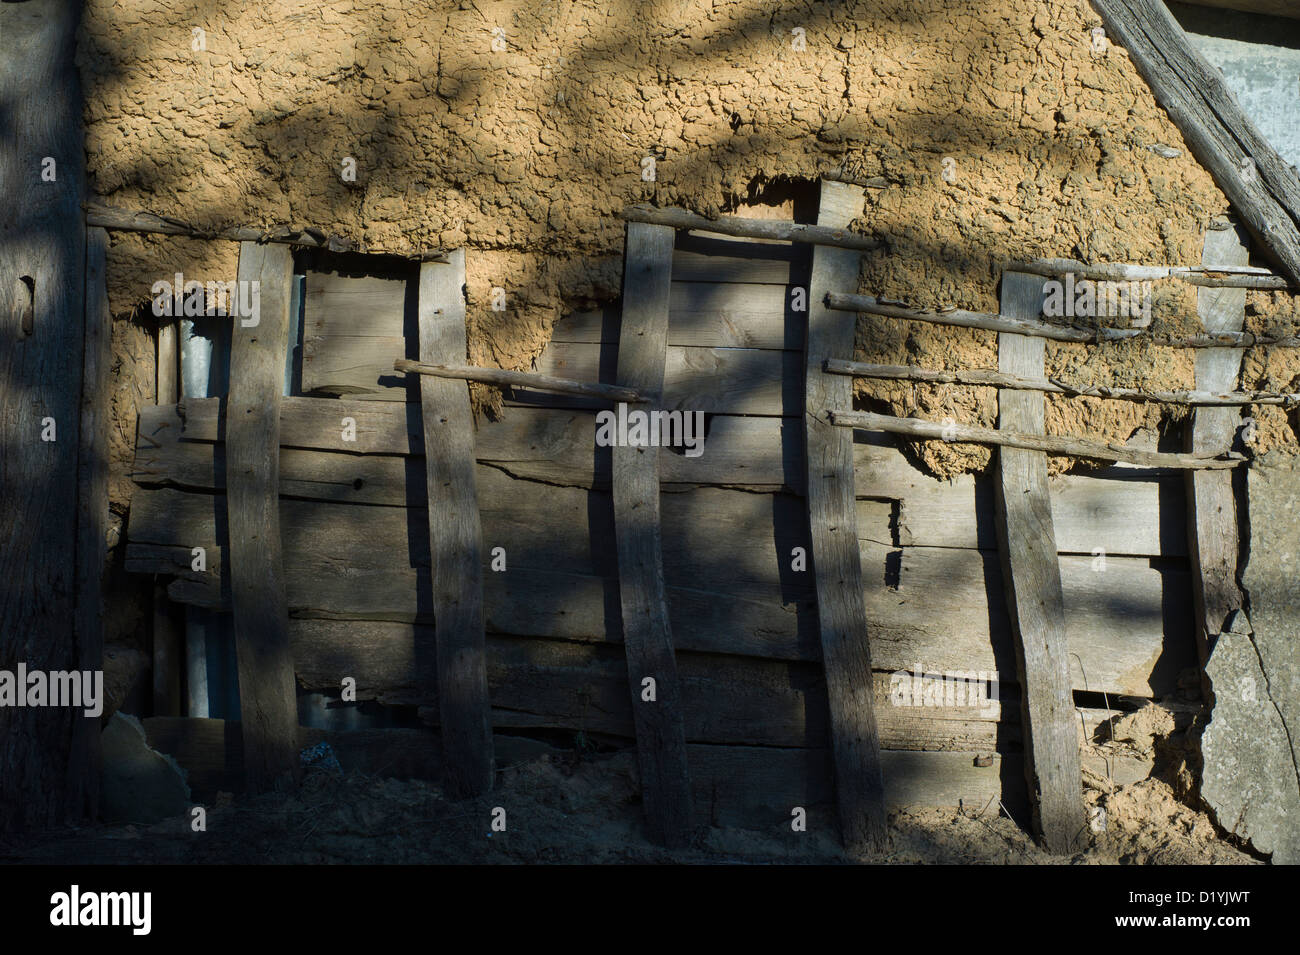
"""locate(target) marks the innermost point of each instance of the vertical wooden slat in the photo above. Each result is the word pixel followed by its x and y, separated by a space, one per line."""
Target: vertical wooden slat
pixel 42 323
pixel 166 633
pixel 1032 577
pixel 267 690
pixel 168 364
pixel 832 521
pixel 92 497
pixel 455 534
pixel 660 733
pixel 1212 510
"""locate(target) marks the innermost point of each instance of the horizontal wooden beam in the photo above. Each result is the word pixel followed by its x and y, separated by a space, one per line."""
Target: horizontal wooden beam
pixel 991 323
pixel 521 379
pixel 128 220
pixel 1061 333
pixel 774 229
pixel 1240 276
pixel 1063 446
pixel 997 379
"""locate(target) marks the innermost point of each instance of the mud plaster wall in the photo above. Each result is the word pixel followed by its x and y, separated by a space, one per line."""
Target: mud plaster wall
pixel 526 156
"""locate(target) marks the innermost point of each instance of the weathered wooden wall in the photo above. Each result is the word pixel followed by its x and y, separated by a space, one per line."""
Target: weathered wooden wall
pixel 357 559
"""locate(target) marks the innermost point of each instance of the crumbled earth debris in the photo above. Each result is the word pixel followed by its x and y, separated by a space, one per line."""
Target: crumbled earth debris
pixel 563 810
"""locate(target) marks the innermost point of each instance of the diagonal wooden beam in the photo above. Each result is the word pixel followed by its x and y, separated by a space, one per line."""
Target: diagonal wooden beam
pixel 647 637
pixel 1032 578
pixel 1263 187
pixel 455 534
pixel 832 522
pixel 268 703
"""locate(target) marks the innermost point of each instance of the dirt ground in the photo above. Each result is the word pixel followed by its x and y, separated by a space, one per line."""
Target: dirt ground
pixel 563 807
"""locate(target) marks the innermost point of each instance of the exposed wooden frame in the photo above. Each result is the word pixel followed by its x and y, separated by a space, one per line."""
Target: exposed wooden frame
pixel 996 379
pixel 92 493
pixel 1211 504
pixel 455 534
pixel 504 378
pixel 771 229
pixel 647 637
pixel 993 323
pixel 129 220
pixel 1051 444
pixel 1031 574
pixel 1263 188
pixel 1238 276
pixel 267 691
pixel 44 780
pixel 833 538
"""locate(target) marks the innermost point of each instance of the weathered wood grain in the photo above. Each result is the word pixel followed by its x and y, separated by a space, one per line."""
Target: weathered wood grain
pixel 715 258
pixel 267 694
pixel 1062 446
pixel 1031 576
pixel 647 633
pixel 555 446
pixel 833 538
pixel 455 533
pixel 503 378
pixel 1211 504
pixel 708 315
pixel 730 585
pixel 1263 187
pixel 42 324
pixel 1121 511
pixel 92 496
pixel 537 683
pixel 354 328
pixel 740 227
pixel 752 381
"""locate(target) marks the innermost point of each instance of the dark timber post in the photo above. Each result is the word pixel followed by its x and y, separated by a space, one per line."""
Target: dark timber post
pixel 45 778
pixel 647 636
pixel 1031 574
pixel 832 522
pixel 268 704
pixel 455 534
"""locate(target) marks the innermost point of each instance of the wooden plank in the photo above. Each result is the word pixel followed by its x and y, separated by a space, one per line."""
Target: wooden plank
pixel 1132 621
pixel 740 227
pixel 1274 8
pixel 709 315
pixel 1069 447
pixel 42 323
pixel 354 327
pixel 748 381
pixel 647 633
pixel 455 533
pixel 504 378
pixel 706 258
pixel 537 683
pixel 981 377
pixel 1032 580
pixel 1263 187
pixel 556 446
pixel 726 566
pixel 1211 505
pixel 1123 511
pixel 833 549
pixel 268 697
pixel 92 496
pixel 168 365
pixel 168 653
